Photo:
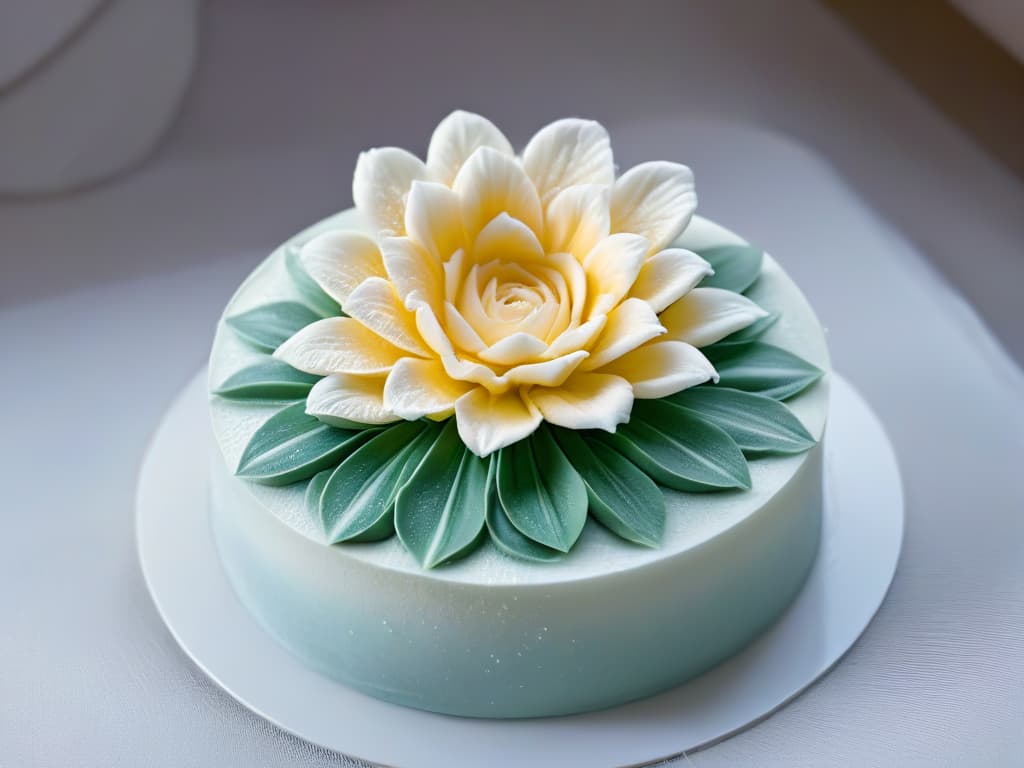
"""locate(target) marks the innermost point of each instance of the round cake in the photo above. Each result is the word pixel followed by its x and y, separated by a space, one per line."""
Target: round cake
pixel 441 558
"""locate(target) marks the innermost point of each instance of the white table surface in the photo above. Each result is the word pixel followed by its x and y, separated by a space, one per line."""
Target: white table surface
pixel 109 299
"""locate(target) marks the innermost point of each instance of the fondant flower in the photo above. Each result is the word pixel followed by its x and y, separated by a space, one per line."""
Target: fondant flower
pixel 508 290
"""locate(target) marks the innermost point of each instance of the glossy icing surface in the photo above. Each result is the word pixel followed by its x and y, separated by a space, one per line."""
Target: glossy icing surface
pixel 495 636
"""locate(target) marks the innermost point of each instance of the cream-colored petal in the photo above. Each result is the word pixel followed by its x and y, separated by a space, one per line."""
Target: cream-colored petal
pixel 568 152
pixel 432 332
pixel 376 305
pixel 417 388
pixel 460 332
pixel 706 315
pixel 576 280
pixel 415 274
pixel 488 422
pixel 341 398
pixel 491 183
pixel 612 267
pixel 515 349
pixel 454 275
pixel 630 324
pixel 586 401
pixel 506 238
pixel 578 218
pixel 381 183
pixel 655 200
pixel 668 275
pixel 662 368
pixel 338 345
pixel 550 373
pixel 577 337
pixel 456 138
pixel 433 219
pixel 339 261
pixel 461 369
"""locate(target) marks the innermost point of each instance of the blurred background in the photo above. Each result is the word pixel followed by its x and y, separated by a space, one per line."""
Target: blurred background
pixel 152 152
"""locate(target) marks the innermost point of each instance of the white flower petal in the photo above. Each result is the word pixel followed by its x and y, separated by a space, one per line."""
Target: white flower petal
pixel 488 422
pixel 566 153
pixel 456 138
pixel 577 337
pixel 612 267
pixel 376 305
pixel 416 275
pixel 433 219
pixel 630 324
pixel 550 373
pixel 668 275
pixel 706 315
pixel 454 275
pixel 491 183
pixel 341 398
pixel 432 332
pixel 417 388
pixel 506 238
pixel 586 401
pixel 460 332
pixel 466 370
pixel 338 345
pixel 655 200
pixel 381 183
pixel 514 349
pixel 577 218
pixel 662 369
pixel 575 276
pixel 339 261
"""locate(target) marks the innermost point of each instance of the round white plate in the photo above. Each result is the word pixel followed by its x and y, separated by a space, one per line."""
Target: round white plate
pixel 861 538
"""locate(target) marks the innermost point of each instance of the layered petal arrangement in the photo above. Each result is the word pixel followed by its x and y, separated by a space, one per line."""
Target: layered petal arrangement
pixel 520 348
pixel 508 290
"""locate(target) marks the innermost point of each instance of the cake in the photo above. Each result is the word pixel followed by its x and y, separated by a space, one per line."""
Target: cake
pixel 517 436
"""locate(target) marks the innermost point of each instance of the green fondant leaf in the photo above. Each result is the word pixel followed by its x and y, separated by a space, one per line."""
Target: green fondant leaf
pixel 736 266
pixel 359 500
pixel 311 292
pixel 439 512
pixel 313 491
pixel 622 498
pixel 762 368
pixel 677 449
pixel 292 446
pixel 506 536
pixel 757 423
pixel 543 496
pixel 270 325
pixel 269 379
pixel 752 332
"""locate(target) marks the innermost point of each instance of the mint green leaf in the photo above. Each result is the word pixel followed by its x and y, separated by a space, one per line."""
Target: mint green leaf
pixel 677 449
pixel 622 498
pixel 752 332
pixel 762 368
pixel 292 446
pixel 270 325
pixel 439 512
pixel 359 500
pixel 269 379
pixel 543 496
pixel 736 266
pixel 311 499
pixel 506 536
pixel 757 423
pixel 312 294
